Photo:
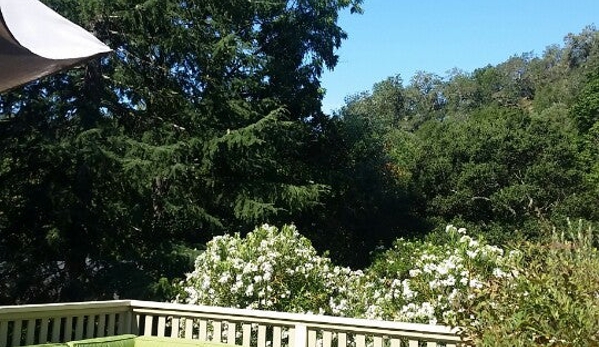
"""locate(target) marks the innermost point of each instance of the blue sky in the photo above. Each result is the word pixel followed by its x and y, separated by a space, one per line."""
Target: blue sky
pixel 404 36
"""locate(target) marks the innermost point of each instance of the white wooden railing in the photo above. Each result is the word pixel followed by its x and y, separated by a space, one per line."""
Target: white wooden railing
pixel 31 324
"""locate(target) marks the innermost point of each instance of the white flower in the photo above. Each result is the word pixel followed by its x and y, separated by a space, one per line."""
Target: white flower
pixel 414 272
pixel 474 283
pixel 465 239
pixel 249 267
pixel 497 272
pixel 408 293
pixel 434 284
pixel 449 281
pixel 224 278
pixel 472 254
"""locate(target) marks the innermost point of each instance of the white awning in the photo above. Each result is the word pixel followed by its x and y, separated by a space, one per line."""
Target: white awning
pixel 36 41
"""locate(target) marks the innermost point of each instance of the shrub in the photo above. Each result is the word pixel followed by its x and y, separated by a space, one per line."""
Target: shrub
pixel 280 270
pixel 421 281
pixel 271 269
pixel 553 302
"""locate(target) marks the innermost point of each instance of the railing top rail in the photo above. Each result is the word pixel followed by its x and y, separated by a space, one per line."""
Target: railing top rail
pixel 293 318
pixel 70 306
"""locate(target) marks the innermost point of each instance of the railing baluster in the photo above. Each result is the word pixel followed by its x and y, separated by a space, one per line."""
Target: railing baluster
pixel 125 326
pixel 16 332
pixel 342 340
pixel 297 336
pixel 203 333
pixel 395 342
pixel 231 330
pixel 188 328
pixel 79 328
pixel 101 325
pixel 121 323
pixel 431 344
pixel 149 321
pixel 43 338
pixel 378 341
pixel 175 327
pixel 262 335
pixel 68 329
pixel 30 335
pixel 361 340
pixel 56 327
pixel 161 326
pixel 277 336
pixel 91 326
pixel 413 343
pixel 3 333
pixel 218 331
pixel 247 335
pixel 111 324
pixel 327 338
pixel 311 338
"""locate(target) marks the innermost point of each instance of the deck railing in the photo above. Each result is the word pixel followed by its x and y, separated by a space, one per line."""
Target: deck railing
pixel 34 324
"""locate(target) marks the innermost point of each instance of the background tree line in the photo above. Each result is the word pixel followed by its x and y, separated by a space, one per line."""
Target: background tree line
pixel 507 149
pixel 207 120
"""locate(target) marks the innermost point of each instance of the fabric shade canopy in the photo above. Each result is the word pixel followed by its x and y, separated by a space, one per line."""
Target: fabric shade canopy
pixel 36 41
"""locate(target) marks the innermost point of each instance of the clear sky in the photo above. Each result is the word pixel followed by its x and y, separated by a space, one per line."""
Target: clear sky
pixel 404 36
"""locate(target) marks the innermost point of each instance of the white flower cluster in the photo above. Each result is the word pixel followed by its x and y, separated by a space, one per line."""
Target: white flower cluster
pixel 269 269
pixel 279 270
pixel 439 273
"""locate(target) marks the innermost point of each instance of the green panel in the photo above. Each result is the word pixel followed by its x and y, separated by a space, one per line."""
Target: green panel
pixel 151 341
pixel 109 341
pixel 49 345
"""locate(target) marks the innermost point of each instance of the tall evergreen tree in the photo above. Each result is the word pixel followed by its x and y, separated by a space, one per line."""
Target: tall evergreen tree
pixel 200 123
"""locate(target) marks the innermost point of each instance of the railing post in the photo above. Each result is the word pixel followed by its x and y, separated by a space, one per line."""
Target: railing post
pixel 301 335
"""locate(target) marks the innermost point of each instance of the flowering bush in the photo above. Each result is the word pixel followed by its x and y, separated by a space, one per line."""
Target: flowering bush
pixel 279 270
pixel 422 282
pixel 269 269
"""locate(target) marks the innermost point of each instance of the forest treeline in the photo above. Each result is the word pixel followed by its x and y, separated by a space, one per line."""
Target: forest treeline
pixel 206 120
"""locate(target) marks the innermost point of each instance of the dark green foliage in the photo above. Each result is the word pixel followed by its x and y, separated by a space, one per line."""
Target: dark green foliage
pixel 368 204
pixel 197 124
pixel 498 165
pixel 586 110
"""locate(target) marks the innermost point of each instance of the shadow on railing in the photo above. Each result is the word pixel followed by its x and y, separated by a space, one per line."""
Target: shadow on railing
pixel 35 324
